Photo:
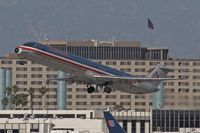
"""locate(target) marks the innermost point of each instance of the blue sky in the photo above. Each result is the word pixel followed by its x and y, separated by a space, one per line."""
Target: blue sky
pixel 176 22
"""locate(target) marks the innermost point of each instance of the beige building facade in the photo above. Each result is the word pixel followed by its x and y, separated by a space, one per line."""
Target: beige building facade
pixel 178 94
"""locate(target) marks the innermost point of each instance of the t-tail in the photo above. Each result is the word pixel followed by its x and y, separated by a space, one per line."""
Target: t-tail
pixel 158 72
pixel 112 124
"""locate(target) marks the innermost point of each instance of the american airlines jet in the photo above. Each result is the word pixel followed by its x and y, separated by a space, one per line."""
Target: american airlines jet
pixel 105 79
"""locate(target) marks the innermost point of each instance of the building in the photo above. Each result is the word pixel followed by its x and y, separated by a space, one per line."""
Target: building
pixel 110 50
pixel 179 94
pixel 91 121
pixel 54 121
pixel 185 121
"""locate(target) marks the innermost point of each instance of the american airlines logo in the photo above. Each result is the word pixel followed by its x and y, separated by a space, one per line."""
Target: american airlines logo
pixel 111 123
pixel 155 75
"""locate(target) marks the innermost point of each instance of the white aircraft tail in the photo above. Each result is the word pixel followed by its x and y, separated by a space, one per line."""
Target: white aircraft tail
pixel 158 72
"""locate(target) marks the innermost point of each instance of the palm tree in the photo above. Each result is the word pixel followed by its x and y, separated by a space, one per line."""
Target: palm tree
pixel 8 94
pixel 23 100
pixel 31 92
pixel 43 92
pixel 15 89
pixel 8 91
pixel 5 102
pixel 14 96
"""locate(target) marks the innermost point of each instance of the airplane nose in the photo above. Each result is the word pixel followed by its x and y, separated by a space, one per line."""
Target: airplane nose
pixel 18 50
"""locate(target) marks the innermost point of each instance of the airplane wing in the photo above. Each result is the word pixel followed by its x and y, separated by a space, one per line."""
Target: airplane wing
pixel 129 79
pixel 102 79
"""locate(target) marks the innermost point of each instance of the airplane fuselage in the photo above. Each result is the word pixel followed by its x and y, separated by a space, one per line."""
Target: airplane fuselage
pixel 81 68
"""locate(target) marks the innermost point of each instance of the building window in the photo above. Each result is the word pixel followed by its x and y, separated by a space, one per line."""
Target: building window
pixel 125 63
pixel 196 77
pixel 139 70
pixel 36 69
pixel 51 76
pixel 36 76
pixel 50 69
pixel 183 77
pixel 139 96
pixel 51 96
pixel 69 96
pixel 110 103
pixel 169 83
pixel 125 96
pixel 81 103
pixel 22 89
pixel 196 90
pixel 69 89
pixel 196 70
pixel 6 62
pixel 125 103
pixel 96 96
pixel 183 90
pixel 36 82
pixel 21 69
pixel 183 83
pixel 81 96
pixel 52 82
pixel 196 83
pixel 183 63
pixel 19 62
pixel 21 76
pixel 96 103
pixel 153 63
pixel 140 103
pixel 169 63
pixel 110 96
pixel 140 63
pixel 21 82
pixel 196 63
pixel 81 90
pixel 69 103
pixel 183 70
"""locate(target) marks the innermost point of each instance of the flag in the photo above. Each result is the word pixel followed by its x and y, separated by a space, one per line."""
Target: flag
pixel 111 123
pixel 150 24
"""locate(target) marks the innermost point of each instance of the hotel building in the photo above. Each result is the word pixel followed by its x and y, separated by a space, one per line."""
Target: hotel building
pixel 123 55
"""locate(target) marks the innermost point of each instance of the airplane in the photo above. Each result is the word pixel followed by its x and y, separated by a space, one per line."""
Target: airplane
pixel 107 79
pixel 112 124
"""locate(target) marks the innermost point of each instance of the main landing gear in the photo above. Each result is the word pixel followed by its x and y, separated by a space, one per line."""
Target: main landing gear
pixel 92 89
pixel 107 89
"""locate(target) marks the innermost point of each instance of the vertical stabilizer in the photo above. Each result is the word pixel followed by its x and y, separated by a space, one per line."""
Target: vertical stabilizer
pixel 158 72
pixel 112 124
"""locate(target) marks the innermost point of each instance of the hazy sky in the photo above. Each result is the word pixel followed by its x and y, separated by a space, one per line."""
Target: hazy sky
pixel 176 22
